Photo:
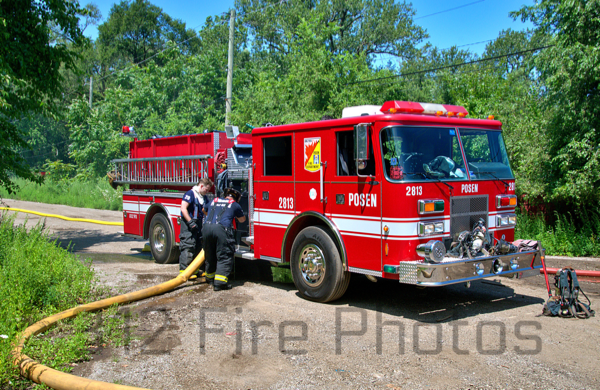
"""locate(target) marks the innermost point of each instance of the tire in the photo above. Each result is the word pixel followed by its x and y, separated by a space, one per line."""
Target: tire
pixel 323 279
pixel 162 245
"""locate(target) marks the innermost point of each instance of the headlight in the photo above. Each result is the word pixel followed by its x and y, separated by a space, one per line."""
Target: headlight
pixel 429 228
pixel 506 220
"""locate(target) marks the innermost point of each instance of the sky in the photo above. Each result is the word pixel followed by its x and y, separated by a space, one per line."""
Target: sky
pixel 464 22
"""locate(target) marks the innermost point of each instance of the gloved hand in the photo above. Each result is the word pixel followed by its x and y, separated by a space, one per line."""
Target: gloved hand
pixel 193 226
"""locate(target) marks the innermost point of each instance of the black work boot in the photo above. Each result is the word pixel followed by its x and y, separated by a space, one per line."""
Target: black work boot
pixel 219 287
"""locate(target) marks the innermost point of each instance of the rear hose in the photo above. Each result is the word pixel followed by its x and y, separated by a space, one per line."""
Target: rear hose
pixel 63 217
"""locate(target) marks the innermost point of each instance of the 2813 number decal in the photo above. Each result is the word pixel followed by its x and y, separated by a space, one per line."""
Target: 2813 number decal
pixel 286 203
pixel 414 190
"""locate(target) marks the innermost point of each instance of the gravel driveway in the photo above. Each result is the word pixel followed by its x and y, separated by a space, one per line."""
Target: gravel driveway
pixel 383 335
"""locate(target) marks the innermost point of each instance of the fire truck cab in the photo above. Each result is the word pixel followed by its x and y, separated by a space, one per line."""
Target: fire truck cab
pixel 409 191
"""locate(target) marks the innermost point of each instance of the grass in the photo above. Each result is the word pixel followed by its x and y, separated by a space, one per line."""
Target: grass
pixel 282 275
pixel 38 279
pixel 567 237
pixel 94 194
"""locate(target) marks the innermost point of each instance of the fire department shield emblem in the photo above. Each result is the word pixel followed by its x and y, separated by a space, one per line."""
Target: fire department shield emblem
pixel 312 154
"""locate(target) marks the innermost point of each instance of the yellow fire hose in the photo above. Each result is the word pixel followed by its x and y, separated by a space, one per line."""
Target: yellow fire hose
pixel 63 217
pixel 58 380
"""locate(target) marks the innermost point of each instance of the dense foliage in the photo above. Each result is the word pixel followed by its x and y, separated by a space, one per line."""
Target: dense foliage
pixel 298 60
pixel 31 57
pixel 37 279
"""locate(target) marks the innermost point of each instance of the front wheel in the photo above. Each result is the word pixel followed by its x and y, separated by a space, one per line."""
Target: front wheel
pixel 316 266
pixel 162 245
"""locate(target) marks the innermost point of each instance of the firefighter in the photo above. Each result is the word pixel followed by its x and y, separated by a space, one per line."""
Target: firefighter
pixel 219 242
pixel 192 213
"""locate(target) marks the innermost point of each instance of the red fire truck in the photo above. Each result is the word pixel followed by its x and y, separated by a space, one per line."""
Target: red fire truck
pixel 414 192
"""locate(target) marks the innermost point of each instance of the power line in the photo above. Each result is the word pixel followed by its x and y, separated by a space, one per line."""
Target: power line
pixel 391 57
pixel 413 76
pixel 448 10
pixel 451 66
pixel 470 44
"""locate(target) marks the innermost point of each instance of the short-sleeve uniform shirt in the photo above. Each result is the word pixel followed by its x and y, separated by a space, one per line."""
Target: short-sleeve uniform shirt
pixel 225 210
pixel 194 207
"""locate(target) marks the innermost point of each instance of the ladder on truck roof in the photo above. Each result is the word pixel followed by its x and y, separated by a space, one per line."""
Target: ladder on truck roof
pixel 178 171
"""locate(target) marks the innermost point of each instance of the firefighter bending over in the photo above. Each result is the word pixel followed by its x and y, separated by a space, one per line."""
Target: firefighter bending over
pixel 192 212
pixel 219 242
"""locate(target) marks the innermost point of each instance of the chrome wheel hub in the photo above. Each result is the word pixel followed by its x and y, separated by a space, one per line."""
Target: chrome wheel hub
pixel 159 238
pixel 312 265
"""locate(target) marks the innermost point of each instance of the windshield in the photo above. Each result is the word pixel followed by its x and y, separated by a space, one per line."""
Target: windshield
pixel 486 154
pixel 421 153
pixel 418 153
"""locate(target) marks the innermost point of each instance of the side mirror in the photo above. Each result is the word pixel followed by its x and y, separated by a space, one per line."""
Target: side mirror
pixel 232 132
pixel 361 144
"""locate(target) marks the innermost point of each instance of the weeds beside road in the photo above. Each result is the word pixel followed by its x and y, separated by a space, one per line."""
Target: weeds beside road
pixel 38 279
pixel 93 194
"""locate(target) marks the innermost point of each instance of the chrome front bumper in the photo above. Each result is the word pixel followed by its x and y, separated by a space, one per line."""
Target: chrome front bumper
pixel 452 270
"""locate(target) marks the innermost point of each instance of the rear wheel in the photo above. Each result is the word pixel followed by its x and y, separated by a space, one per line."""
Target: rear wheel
pixel 316 266
pixel 162 245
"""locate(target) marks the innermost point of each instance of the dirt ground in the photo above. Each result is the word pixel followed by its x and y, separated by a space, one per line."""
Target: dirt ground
pixel 379 335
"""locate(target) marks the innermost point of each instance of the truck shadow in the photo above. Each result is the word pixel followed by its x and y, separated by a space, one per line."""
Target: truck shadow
pixel 427 305
pixel 435 304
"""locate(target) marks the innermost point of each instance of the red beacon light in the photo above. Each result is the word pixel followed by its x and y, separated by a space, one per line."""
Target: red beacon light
pixel 128 131
pixel 401 107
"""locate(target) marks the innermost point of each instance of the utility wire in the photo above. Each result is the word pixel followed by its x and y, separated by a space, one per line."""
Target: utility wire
pixel 391 57
pixel 451 66
pixel 448 10
pixel 470 44
pixel 414 76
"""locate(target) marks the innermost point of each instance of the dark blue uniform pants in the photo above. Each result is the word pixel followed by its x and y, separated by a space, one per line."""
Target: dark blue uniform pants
pixel 219 246
pixel 190 244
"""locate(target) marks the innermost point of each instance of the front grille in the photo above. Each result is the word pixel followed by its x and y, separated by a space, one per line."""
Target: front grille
pixel 465 211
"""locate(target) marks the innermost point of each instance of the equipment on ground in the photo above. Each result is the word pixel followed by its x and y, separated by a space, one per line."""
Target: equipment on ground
pixel 565 303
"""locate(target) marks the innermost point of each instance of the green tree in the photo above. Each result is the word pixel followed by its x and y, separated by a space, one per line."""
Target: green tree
pixel 362 26
pixel 136 30
pixel 30 78
pixel 570 72
pixel 183 96
pixel 314 84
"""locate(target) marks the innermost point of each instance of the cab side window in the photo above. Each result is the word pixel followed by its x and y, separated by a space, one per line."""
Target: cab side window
pixel 277 154
pixel 345 145
pixel 346 165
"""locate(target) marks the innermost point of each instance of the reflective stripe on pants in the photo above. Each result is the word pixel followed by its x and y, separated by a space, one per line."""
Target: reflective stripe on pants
pixel 218 248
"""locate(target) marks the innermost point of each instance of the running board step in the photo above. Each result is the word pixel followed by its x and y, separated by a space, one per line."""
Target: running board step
pixel 244 253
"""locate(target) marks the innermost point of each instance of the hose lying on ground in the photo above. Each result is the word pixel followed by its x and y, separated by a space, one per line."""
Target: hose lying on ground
pixel 63 217
pixel 58 380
